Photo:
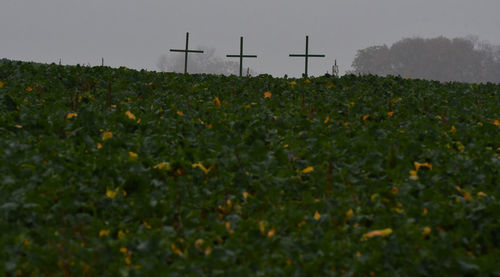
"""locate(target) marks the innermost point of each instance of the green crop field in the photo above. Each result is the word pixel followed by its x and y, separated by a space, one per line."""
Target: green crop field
pixel 117 172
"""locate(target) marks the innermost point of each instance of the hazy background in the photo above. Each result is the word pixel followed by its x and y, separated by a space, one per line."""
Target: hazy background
pixel 135 33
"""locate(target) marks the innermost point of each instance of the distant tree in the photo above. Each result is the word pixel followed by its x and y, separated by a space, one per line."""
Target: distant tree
pixel 459 59
pixel 162 63
pixel 207 62
pixel 373 60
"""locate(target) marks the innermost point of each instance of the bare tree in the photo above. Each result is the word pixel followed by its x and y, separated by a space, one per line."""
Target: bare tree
pixel 207 62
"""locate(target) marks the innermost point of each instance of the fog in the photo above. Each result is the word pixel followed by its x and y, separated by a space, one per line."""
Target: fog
pixel 136 33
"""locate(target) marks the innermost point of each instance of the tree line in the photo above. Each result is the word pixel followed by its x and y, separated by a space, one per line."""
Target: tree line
pixel 459 59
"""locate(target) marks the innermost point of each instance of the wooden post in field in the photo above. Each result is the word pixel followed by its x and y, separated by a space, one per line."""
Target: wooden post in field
pixel 307 56
pixel 241 56
pixel 186 51
pixel 335 69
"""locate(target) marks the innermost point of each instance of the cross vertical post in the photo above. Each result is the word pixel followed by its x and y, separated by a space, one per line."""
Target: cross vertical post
pixel 307 55
pixel 186 55
pixel 241 56
pixel 186 51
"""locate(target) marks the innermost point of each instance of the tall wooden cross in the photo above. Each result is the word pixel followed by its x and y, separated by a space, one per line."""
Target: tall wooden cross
pixel 307 55
pixel 241 56
pixel 186 51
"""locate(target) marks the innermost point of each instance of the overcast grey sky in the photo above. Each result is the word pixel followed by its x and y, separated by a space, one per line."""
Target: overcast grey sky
pixel 134 33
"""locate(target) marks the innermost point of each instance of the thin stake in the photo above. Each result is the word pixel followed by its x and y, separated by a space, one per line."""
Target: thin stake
pixel 307 55
pixel 241 56
pixel 186 51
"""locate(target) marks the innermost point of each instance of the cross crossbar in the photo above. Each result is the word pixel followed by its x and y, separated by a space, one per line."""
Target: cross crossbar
pixel 241 56
pixel 307 56
pixel 186 51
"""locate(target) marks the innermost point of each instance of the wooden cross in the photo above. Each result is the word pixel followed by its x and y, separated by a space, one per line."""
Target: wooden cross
pixel 186 51
pixel 307 55
pixel 241 56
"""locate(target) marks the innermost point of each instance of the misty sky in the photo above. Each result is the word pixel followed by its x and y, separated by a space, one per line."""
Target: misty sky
pixel 134 33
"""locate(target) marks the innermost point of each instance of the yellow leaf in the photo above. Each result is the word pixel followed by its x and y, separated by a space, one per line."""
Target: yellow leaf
pixel 308 169
pixel 99 145
pixel 200 166
pixel 199 243
pixel 419 165
pixel 121 235
pixel 217 102
pixel 176 250
pixel 467 195
pixel 349 214
pixel 163 166
pixel 496 123
pixel 132 156
pixel 398 210
pixel 453 129
pixel 427 231
pixel 271 233
pixel 481 194
pixel 366 117
pixel 395 100
pixel 246 195
pixel 71 115
pixel 413 175
pixel 111 193
pixel 377 233
pixel 390 114
pixel 123 250
pixel 2 84
pixel 29 89
pixel 107 135
pixel 130 115
pixel 128 260
pixel 317 216
pixel 395 190
pixel 326 119
pixel 180 113
pixel 18 126
pixel 103 233
pixel 292 83
pixel 268 94
pixel 145 223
